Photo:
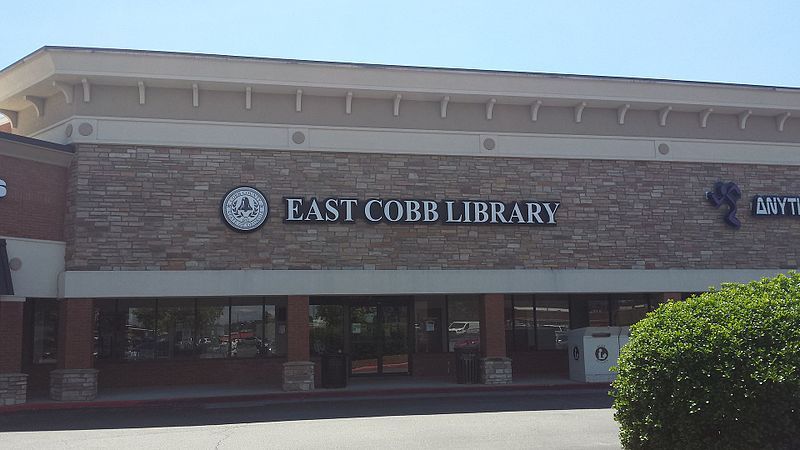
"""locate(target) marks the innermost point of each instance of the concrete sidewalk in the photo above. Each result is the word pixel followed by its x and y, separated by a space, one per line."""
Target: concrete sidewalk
pixel 356 388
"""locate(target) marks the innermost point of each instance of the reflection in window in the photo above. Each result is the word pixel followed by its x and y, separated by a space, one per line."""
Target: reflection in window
pixel 139 322
pixel 247 329
pixel 326 324
pixel 213 338
pixel 45 331
pixel 629 309
pixel 175 329
pixel 598 312
pixel 524 322
pixel 146 329
pixel 464 329
pixel 429 332
pixel 538 322
pixel 552 322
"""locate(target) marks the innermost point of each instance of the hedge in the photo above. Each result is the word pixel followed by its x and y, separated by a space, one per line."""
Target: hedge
pixel 718 370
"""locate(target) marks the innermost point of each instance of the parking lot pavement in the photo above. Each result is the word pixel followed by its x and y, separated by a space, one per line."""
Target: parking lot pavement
pixel 565 429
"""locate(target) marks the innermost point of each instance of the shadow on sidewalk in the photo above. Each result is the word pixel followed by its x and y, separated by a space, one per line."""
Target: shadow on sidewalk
pixel 305 409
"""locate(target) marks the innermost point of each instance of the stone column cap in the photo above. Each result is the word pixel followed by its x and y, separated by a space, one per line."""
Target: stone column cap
pixel 12 299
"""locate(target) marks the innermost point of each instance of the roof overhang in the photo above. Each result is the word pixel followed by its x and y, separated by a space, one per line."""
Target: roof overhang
pixel 37 150
pixel 41 73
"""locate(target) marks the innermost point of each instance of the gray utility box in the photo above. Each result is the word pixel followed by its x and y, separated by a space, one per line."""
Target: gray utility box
pixel 592 352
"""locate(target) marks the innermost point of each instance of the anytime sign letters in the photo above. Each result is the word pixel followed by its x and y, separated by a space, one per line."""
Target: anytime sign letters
pixel 776 205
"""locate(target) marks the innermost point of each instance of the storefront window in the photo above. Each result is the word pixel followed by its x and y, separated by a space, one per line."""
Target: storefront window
pixel 109 334
pixel 428 324
pixel 326 325
pixel 539 322
pixel 247 328
pixel 45 331
pixel 598 312
pixel 213 325
pixel 629 309
pixel 552 322
pixel 175 329
pixel 589 310
pixel 149 329
pixel 524 323
pixel 139 322
pixel 464 329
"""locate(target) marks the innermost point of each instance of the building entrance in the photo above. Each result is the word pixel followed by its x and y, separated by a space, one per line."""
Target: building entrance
pixel 379 338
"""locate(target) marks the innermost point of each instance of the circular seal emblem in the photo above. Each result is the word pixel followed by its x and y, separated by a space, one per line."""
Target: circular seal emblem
pixel 245 209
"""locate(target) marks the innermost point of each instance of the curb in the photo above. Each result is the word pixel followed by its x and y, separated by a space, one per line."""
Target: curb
pixel 290 396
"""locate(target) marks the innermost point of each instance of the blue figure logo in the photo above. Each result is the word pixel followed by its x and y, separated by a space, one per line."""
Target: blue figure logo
pixel 726 193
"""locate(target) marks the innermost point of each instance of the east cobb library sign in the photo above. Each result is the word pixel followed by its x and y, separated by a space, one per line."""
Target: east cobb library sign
pixel 378 210
pixel 246 209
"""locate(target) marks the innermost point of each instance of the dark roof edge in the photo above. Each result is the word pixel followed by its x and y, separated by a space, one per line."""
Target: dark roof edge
pixel 36 142
pixel 396 66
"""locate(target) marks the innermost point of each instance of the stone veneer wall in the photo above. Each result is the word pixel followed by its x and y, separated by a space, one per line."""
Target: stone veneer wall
pixel 13 388
pixel 134 208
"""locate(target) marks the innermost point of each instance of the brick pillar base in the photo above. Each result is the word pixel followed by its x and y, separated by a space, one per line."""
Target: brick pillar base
pixel 13 388
pixel 495 370
pixel 73 385
pixel 298 376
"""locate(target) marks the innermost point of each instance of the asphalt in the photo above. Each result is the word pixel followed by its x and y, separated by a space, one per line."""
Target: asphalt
pixel 176 396
pixel 270 410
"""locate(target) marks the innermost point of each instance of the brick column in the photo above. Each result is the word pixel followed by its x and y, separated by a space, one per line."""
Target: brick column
pixel 298 371
pixel 667 296
pixel 75 379
pixel 495 367
pixel 13 383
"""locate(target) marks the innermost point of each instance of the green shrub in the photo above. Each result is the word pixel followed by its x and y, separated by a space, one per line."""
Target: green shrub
pixel 719 370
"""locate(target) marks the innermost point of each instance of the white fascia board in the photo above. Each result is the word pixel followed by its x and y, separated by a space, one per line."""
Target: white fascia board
pixel 159 132
pixel 211 283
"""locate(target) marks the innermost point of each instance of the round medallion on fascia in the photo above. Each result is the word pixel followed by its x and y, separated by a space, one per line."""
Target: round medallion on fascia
pixel 298 137
pixel 85 129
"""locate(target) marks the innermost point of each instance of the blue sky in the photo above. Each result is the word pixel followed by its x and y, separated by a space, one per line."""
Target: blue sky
pixel 726 41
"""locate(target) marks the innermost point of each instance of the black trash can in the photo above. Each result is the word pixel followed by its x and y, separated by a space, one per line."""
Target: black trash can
pixel 467 366
pixel 334 370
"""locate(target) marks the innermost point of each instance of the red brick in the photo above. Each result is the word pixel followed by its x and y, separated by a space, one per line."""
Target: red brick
pixel 297 328
pixel 11 321
pixel 35 206
pixel 75 334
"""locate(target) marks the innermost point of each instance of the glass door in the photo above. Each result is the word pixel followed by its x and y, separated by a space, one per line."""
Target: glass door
pixel 379 339
pixel 394 324
pixel 364 340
